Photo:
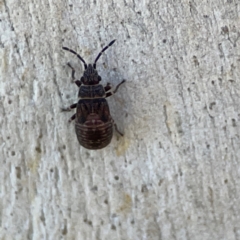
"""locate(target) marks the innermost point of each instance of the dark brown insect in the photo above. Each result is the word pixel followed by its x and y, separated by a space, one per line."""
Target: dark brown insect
pixel 93 122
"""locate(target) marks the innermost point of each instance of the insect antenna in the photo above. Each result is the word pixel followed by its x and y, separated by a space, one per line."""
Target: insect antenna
pixel 103 50
pixel 70 50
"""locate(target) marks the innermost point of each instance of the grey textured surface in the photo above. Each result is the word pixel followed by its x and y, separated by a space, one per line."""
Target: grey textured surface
pixel 175 174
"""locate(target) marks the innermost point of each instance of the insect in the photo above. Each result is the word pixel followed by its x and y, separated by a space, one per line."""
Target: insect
pixel 93 122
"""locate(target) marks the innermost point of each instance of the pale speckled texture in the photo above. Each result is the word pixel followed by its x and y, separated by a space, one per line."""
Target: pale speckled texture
pixel 175 173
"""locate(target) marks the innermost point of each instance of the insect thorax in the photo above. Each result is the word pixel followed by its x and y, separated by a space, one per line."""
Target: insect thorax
pixel 91 91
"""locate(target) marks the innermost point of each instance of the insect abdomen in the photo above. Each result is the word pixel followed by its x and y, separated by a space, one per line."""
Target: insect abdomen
pixel 94 133
pixel 93 125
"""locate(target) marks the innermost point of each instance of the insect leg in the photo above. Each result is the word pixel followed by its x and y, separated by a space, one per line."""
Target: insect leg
pixel 78 82
pixel 69 108
pixel 123 81
pixel 115 125
pixel 72 118
pixel 111 93
pixel 108 87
